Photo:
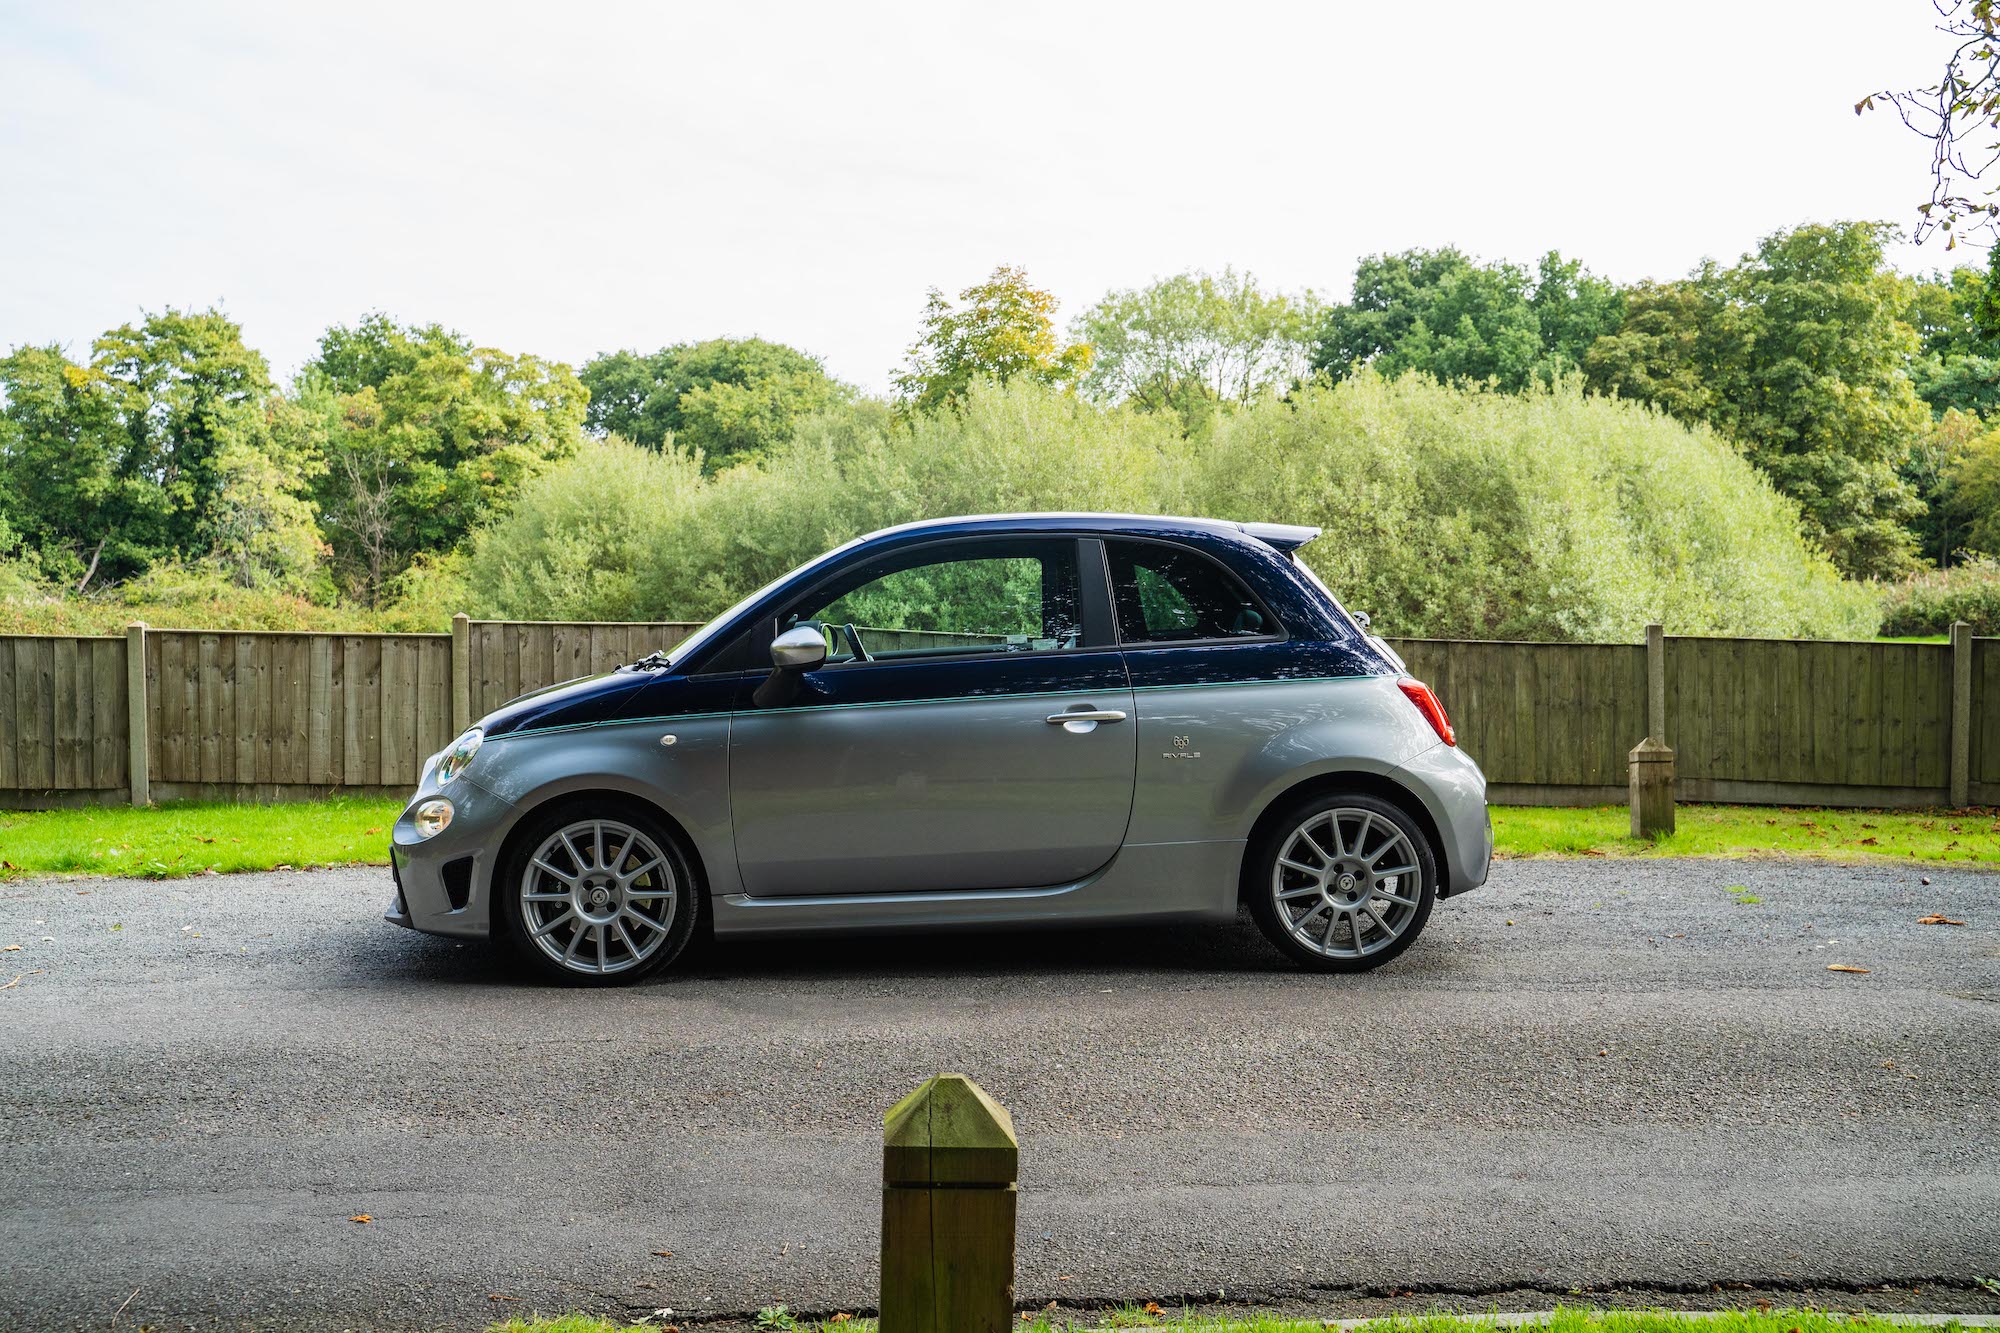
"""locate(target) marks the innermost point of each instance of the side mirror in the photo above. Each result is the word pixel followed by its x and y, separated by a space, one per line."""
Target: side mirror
pixel 801 648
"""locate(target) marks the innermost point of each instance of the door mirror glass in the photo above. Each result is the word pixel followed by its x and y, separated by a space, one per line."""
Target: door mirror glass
pixel 801 648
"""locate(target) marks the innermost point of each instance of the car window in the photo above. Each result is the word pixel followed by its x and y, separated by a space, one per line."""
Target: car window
pixel 978 597
pixel 1167 594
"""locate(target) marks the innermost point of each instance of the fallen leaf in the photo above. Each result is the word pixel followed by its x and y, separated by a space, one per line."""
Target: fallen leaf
pixel 362 1218
pixel 494 1295
pixel 1843 967
pixel 1153 1307
pixel 10 948
pixel 1938 919
pixel 17 980
pixel 1592 851
pixel 371 830
pixel 1869 842
pixel 840 1317
pixel 663 1254
pixel 201 839
pixel 1063 1277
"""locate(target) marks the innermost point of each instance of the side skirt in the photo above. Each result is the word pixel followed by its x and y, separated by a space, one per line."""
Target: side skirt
pixel 1150 882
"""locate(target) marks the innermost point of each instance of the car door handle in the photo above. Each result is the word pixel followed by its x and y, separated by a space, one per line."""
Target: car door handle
pixel 1085 719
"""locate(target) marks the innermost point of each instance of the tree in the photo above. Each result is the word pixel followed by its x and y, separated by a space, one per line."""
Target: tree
pixel 729 399
pixel 191 399
pixel 424 436
pixel 1439 312
pixel 1957 321
pixel 1800 353
pixel 1193 340
pixel 1960 116
pixel 1003 329
pixel 61 490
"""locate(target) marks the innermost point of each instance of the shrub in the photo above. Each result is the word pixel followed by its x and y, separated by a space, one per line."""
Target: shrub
pixel 1929 603
pixel 571 546
pixel 1550 514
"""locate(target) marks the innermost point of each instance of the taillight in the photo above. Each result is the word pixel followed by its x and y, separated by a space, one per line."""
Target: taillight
pixel 1427 703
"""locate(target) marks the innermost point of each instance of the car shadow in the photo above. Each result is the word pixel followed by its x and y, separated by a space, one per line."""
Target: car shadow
pixel 1098 951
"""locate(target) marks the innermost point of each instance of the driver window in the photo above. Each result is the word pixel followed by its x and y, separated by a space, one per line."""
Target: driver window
pixel 978 598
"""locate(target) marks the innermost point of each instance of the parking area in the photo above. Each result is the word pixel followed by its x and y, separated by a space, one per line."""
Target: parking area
pixel 1588 1074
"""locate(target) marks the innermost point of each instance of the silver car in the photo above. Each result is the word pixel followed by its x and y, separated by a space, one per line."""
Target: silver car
pixel 999 721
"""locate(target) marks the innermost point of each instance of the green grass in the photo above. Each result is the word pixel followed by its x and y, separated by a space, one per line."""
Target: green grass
pixel 1732 830
pixel 189 839
pixel 1566 1320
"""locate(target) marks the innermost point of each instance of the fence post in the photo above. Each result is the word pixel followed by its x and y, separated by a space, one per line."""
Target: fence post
pixel 1652 788
pixel 949 1162
pixel 461 673
pixel 1656 682
pixel 1961 713
pixel 138 780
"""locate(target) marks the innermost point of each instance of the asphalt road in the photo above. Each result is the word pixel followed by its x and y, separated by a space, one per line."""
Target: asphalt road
pixel 1588 1074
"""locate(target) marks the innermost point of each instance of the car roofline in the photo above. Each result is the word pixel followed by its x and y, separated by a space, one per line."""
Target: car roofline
pixel 1279 536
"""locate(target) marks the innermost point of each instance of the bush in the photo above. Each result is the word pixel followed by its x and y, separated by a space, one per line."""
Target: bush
pixel 572 544
pixel 1448 512
pixel 1459 513
pixel 176 594
pixel 1929 603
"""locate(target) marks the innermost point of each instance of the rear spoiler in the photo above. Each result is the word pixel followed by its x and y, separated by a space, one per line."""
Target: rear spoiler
pixel 1280 536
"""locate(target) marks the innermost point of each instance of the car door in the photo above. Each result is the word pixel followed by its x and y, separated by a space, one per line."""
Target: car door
pixel 939 757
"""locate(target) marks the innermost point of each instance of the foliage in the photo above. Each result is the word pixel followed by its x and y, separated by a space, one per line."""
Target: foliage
pixel 573 545
pixel 1438 312
pixel 1930 602
pixel 726 399
pixel 161 447
pixel 1457 513
pixel 1449 512
pixel 1194 340
pixel 1005 329
pixel 1960 116
pixel 178 594
pixel 423 436
pixel 1931 469
pixel 1800 354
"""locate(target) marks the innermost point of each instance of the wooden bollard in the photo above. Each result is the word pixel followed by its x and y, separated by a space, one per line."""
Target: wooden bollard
pixel 1652 782
pixel 949 1161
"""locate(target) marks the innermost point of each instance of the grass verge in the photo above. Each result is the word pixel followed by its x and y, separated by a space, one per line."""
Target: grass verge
pixel 1738 830
pixel 162 842
pixel 165 841
pixel 1565 1320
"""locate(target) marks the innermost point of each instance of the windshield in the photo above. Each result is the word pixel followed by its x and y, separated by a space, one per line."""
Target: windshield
pixel 694 642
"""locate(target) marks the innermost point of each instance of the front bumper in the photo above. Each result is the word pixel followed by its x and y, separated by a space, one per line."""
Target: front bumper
pixel 442 882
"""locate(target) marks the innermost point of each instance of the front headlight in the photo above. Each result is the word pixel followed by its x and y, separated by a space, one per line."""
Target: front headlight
pixel 432 818
pixel 458 756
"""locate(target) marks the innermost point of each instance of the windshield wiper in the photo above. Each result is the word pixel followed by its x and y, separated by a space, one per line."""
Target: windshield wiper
pixel 653 661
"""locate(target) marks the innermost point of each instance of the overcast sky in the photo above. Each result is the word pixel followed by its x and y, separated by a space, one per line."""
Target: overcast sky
pixel 568 178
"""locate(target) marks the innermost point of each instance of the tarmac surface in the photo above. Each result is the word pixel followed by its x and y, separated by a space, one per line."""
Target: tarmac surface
pixel 1602 1077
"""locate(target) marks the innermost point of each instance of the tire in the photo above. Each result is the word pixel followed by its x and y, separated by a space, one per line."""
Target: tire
pixel 598 893
pixel 1317 889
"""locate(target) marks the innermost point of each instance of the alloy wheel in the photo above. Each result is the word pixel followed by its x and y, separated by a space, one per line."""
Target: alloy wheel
pixel 599 897
pixel 1347 883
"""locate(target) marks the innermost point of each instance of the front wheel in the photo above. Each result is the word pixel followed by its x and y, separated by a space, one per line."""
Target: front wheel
pixel 1344 882
pixel 598 895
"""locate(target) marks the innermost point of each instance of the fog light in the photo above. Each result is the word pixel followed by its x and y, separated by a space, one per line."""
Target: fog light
pixel 432 818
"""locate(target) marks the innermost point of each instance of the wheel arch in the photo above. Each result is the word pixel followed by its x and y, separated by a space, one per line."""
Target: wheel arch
pixel 529 812
pixel 1368 783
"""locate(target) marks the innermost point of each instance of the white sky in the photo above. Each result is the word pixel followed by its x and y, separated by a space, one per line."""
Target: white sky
pixel 567 179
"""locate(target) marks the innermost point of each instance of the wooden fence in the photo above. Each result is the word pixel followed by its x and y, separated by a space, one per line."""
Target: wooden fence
pixel 171 714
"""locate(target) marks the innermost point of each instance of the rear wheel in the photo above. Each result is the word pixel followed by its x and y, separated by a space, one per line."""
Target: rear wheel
pixel 1343 882
pixel 599 895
